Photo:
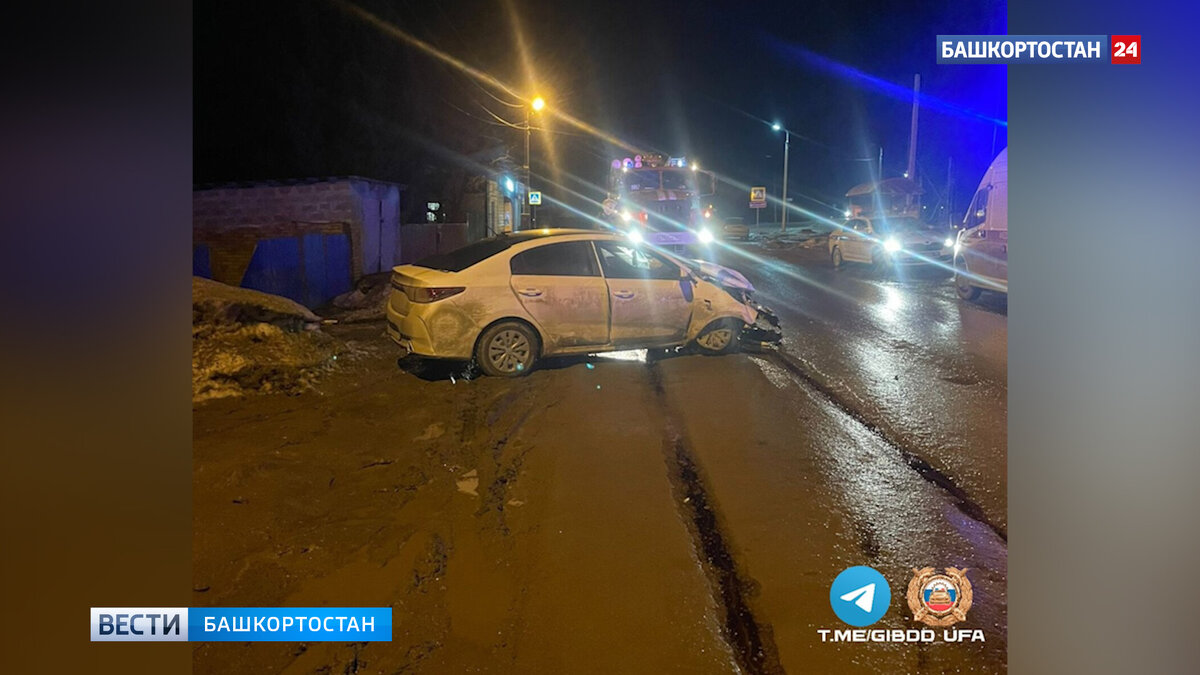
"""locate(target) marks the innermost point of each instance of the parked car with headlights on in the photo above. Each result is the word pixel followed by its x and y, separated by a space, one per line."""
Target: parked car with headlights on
pixel 736 228
pixel 890 242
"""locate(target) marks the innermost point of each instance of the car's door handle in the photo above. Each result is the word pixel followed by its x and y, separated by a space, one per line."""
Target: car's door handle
pixel 530 292
pixel 624 295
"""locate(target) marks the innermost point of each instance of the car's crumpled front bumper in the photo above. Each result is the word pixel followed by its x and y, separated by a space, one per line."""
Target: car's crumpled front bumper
pixel 764 331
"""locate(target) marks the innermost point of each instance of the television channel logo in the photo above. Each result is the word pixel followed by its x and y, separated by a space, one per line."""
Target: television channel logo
pixel 860 596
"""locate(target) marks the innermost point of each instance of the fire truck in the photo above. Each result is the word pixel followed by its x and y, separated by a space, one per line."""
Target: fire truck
pixel 658 199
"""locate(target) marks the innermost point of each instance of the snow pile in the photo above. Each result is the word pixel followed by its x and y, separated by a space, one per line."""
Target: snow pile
pixel 367 302
pixel 244 341
pixel 804 238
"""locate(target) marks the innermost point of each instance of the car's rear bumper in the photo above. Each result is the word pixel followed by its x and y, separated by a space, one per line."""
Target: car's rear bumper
pixel 410 332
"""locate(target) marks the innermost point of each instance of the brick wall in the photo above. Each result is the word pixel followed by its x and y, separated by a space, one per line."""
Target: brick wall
pixel 227 208
pixel 352 200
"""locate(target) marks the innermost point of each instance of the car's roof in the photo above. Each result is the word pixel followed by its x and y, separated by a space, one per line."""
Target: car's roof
pixel 533 236
pixel 526 235
pixel 553 231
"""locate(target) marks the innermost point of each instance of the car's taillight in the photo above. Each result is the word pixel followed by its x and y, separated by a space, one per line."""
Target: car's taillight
pixel 424 294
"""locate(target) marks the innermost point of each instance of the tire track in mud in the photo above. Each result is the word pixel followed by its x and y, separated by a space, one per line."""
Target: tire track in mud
pixel 751 641
pixel 495 427
pixel 927 471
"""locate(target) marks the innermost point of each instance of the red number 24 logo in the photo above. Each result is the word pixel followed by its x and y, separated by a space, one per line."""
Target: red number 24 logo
pixel 1127 49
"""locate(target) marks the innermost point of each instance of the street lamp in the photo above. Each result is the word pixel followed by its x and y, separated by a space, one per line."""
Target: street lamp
pixel 787 141
pixel 536 105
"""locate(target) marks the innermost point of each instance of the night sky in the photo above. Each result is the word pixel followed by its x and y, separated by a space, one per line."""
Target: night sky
pixel 295 89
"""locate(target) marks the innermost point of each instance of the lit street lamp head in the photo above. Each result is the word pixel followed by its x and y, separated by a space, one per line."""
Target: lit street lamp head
pixel 776 126
pixel 538 103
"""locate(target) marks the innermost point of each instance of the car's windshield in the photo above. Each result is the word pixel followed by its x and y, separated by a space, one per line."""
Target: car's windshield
pixel 676 180
pixel 641 179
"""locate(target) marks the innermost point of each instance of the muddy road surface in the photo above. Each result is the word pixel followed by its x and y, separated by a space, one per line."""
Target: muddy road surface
pixel 646 514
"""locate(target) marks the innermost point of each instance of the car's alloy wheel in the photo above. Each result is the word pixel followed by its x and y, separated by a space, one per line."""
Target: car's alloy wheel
pixel 719 337
pixel 508 349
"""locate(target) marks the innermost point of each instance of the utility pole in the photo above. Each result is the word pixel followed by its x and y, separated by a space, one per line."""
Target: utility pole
pixel 527 222
pixel 912 135
pixel 950 190
pixel 787 141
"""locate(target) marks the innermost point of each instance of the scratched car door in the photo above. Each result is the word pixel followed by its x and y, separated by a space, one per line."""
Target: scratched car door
pixel 651 302
pixel 560 286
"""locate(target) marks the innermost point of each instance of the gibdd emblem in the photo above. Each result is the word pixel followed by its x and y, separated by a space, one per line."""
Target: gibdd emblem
pixel 938 599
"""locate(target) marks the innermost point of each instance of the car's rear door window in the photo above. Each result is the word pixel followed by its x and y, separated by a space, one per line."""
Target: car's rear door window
pixel 471 254
pixel 566 259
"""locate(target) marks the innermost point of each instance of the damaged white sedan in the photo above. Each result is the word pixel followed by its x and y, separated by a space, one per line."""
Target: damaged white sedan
pixel 510 300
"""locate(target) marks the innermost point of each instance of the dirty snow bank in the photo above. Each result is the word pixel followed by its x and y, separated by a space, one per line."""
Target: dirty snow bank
pixel 244 341
pixel 367 302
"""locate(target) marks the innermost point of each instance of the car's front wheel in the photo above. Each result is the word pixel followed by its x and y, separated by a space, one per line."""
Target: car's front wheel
pixel 836 257
pixel 719 337
pixel 507 349
pixel 964 289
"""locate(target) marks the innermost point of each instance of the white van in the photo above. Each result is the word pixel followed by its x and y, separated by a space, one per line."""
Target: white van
pixel 981 249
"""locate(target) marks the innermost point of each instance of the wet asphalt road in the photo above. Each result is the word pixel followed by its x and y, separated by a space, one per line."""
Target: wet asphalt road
pixel 902 351
pixel 668 513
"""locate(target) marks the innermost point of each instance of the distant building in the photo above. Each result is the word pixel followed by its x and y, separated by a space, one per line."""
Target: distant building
pixel 306 239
